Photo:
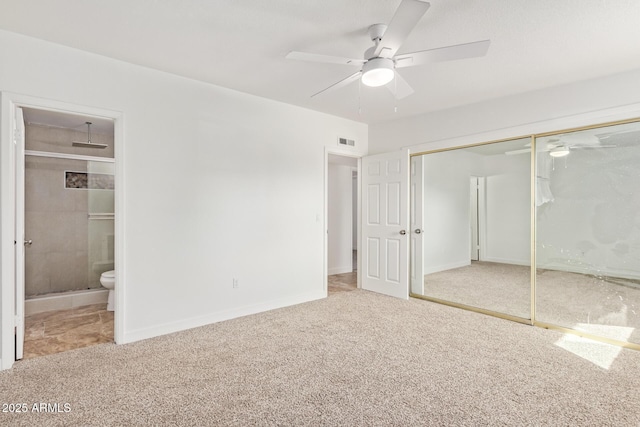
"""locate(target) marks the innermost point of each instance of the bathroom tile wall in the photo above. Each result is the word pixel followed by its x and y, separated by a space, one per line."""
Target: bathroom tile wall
pixel 58 140
pixel 56 218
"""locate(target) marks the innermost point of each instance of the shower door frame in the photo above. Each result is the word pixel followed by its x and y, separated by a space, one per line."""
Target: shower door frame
pixel 9 298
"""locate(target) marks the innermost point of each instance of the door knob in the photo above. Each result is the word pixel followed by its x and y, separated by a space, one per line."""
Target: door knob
pixel 418 231
pixel 403 232
pixel 28 242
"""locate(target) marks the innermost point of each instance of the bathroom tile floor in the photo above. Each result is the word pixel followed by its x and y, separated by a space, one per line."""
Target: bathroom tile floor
pixel 344 282
pixel 61 330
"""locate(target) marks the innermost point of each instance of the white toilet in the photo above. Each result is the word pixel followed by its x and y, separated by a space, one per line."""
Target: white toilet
pixel 108 280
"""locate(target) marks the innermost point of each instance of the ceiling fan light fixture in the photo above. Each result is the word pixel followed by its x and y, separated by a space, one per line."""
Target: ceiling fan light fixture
pixel 559 152
pixel 378 72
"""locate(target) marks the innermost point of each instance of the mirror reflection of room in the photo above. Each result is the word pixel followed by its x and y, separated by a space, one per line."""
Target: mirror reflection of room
pixel 588 231
pixel 471 208
pixel 471 230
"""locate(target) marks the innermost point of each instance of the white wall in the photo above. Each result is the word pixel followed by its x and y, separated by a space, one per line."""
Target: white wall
pixel 592 225
pixel 508 209
pixel 446 210
pixel 506 219
pixel 340 219
pixel 218 184
pixel 525 113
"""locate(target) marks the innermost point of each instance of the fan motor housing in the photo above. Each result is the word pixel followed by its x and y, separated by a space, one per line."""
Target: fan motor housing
pixel 376 31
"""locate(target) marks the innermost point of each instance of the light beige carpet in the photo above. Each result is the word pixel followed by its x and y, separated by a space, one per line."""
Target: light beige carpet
pixel 604 306
pixel 504 288
pixel 356 358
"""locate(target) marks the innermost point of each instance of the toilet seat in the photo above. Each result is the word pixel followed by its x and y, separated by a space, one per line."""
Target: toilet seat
pixel 109 274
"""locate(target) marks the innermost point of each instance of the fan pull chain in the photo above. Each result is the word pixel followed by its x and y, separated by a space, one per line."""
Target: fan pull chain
pixel 395 94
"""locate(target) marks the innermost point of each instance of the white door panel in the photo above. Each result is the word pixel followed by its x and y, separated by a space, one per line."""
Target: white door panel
pixel 19 232
pixel 386 267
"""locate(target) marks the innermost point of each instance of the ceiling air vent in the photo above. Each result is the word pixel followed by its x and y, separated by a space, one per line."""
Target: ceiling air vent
pixel 346 142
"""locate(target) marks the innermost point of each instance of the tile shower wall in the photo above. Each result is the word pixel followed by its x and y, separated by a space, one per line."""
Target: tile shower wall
pixel 58 140
pixel 101 221
pixel 57 220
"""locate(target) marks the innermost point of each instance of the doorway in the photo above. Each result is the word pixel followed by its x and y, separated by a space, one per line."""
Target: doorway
pixel 61 211
pixel 342 223
pixel 69 230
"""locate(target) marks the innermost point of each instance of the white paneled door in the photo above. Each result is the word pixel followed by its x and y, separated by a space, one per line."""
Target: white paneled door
pixel 385 237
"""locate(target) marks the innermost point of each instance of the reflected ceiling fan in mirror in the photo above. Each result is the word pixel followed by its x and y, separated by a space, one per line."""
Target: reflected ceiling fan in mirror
pixel 561 146
pixel 381 61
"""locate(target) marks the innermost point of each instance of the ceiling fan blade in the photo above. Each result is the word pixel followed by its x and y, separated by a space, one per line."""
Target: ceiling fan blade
pixel 590 147
pixel 405 19
pixel 352 78
pixel 522 151
pixel 448 53
pixel 607 135
pixel 583 140
pixel 399 87
pixel 327 59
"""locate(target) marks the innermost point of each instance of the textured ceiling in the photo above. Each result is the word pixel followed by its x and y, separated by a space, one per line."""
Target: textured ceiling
pixel 241 44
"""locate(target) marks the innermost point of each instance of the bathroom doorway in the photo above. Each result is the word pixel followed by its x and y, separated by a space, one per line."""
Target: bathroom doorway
pixel 342 223
pixel 65 189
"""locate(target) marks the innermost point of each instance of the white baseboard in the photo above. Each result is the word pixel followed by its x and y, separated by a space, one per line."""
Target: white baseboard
pixel 567 268
pixel 340 270
pixel 587 271
pixel 65 301
pixel 194 322
pixel 526 263
pixel 444 267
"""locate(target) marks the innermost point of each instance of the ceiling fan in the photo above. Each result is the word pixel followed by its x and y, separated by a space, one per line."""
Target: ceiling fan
pixel 561 146
pixel 380 62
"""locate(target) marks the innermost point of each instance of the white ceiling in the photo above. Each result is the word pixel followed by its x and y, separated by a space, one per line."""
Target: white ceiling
pixel 241 44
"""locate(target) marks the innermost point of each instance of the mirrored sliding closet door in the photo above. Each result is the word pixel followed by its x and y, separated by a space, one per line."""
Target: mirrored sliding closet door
pixel 588 231
pixel 471 227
